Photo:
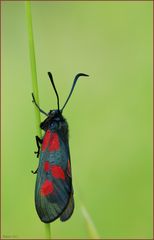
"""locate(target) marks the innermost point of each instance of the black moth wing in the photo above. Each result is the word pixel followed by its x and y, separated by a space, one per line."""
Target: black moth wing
pixel 53 191
pixel 69 210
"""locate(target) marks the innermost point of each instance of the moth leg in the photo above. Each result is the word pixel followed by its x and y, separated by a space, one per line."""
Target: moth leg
pixel 35 171
pixel 38 142
pixel 34 101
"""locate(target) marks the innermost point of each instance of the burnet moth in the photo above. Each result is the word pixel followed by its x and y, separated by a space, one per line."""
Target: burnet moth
pixel 53 189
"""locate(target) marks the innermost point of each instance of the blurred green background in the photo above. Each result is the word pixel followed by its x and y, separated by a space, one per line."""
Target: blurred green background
pixel 109 114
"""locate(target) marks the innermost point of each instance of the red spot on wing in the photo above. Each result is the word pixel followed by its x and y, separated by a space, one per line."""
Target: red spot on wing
pixel 57 172
pixel 46 188
pixel 54 142
pixel 46 166
pixel 46 140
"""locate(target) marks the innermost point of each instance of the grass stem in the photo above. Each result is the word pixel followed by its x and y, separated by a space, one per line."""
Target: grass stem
pixel 47 231
pixel 91 228
pixel 34 84
pixel 33 65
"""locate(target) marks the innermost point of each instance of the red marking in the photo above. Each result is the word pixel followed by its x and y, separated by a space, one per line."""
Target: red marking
pixel 46 166
pixel 54 142
pixel 46 188
pixel 57 172
pixel 46 140
pixel 69 168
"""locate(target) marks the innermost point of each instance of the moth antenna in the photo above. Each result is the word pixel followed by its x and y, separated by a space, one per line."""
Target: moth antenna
pixel 51 79
pixel 74 82
pixel 34 101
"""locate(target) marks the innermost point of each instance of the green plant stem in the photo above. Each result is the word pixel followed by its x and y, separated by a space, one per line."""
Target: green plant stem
pixel 91 228
pixel 47 231
pixel 33 65
pixel 34 83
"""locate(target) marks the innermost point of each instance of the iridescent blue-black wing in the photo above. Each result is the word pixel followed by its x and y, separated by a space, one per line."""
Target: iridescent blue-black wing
pixel 53 191
pixel 69 210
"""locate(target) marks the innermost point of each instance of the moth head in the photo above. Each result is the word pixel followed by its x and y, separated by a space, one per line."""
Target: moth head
pixel 54 116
